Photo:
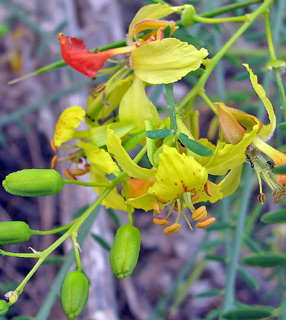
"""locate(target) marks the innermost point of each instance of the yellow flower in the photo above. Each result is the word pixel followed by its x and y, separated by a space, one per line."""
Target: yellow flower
pixel 246 135
pixel 67 123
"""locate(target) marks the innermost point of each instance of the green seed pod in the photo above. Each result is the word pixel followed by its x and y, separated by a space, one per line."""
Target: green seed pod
pixel 12 232
pixel 125 251
pixel 4 307
pixel 34 182
pixel 74 294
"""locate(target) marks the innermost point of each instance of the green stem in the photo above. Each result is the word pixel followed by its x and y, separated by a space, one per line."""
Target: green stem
pixel 213 62
pixel 171 105
pixel 86 184
pixel 202 93
pixel 281 91
pixel 76 251
pixel 19 255
pixel 274 58
pixel 129 209
pixel 219 20
pixel 229 295
pixel 269 36
pixel 229 8
pixel 57 230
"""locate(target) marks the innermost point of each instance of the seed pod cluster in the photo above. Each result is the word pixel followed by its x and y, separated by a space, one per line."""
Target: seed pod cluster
pixel 33 182
pixel 12 232
pixel 74 294
pixel 125 251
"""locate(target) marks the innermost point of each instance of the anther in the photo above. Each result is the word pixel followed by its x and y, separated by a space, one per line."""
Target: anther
pixel 54 162
pixel 200 213
pixel 261 197
pixel 206 223
pixel 54 148
pixel 175 227
pixel 161 221
pixel 156 208
pixel 69 175
pixel 208 188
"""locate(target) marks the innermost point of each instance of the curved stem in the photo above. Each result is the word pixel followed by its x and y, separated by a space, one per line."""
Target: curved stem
pixel 85 184
pixel 219 20
pixel 52 231
pixel 213 62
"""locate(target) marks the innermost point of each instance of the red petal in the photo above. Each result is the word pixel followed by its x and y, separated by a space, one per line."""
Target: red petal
pixel 76 55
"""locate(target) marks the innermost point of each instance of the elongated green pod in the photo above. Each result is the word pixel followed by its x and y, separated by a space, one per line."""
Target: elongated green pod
pixel 12 232
pixel 125 251
pixel 4 307
pixel 74 294
pixel 33 182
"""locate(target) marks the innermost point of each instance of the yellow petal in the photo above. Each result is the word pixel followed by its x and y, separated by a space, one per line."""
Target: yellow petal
pixel 144 202
pixel 228 156
pixel 153 11
pixel 267 130
pixel 177 174
pixel 135 107
pixel 99 158
pixel 231 182
pixel 166 61
pixel 68 121
pixel 114 146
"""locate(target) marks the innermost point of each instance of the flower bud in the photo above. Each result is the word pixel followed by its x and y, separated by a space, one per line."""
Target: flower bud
pixel 74 294
pixel 4 307
pixel 125 251
pixel 12 232
pixel 33 182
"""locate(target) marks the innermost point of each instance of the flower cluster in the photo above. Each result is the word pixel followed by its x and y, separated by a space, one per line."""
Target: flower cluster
pixel 179 179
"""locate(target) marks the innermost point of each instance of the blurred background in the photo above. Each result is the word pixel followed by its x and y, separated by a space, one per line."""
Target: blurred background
pixel 173 271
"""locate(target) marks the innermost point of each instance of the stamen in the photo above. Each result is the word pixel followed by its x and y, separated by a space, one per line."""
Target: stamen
pixel 69 175
pixel 54 162
pixel 186 218
pixel 206 223
pixel 208 188
pixel 200 214
pixel 175 227
pixel 54 148
pixel 156 208
pixel 161 221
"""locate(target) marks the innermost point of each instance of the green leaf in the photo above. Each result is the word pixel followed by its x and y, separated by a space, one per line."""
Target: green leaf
pixel 252 245
pixel 280 169
pixel 158 134
pixel 247 313
pixel 79 212
pixel 101 241
pixel 209 293
pixel 185 37
pixel 265 260
pixel 215 257
pixel 197 72
pixel 282 126
pixel 278 216
pixel 219 226
pixel 54 259
pixel 248 279
pixel 195 146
